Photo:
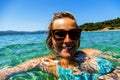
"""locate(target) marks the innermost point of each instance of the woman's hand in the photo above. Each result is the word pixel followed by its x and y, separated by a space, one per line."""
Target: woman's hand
pixel 115 75
pixel 4 73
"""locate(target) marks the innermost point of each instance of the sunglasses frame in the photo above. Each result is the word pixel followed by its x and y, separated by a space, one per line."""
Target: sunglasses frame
pixel 75 37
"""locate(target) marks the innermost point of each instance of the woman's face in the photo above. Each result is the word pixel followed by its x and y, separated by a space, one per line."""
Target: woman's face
pixel 65 47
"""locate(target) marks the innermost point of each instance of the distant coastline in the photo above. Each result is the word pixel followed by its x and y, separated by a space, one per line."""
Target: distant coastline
pixel 10 32
pixel 103 30
pixel 108 25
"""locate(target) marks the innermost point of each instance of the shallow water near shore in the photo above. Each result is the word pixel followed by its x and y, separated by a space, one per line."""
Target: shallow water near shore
pixel 15 49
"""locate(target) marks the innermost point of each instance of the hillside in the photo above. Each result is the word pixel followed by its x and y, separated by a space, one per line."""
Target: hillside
pixel 105 25
pixel 21 32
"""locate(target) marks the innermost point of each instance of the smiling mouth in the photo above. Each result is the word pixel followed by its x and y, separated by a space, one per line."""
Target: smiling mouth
pixel 67 47
pixel 66 51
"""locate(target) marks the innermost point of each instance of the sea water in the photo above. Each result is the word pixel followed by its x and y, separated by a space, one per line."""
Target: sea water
pixel 15 49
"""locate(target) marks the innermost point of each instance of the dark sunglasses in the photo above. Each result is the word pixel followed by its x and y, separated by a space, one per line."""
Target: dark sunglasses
pixel 60 34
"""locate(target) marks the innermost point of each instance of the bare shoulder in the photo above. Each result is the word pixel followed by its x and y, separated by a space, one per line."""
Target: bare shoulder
pixel 87 60
pixel 91 51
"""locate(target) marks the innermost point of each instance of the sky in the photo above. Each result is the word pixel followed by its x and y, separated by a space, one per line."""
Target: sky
pixel 34 15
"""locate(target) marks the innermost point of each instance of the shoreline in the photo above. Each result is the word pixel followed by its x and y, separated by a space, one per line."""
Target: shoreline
pixel 102 30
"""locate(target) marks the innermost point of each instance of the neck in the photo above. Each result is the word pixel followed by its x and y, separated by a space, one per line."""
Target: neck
pixel 66 62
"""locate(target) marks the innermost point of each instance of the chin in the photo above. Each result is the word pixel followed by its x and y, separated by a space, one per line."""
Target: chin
pixel 66 55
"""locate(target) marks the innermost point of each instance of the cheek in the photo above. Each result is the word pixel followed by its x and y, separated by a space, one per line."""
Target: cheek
pixel 76 44
pixel 56 45
pixel 54 42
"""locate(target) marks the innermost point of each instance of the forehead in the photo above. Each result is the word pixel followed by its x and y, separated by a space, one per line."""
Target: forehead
pixel 64 23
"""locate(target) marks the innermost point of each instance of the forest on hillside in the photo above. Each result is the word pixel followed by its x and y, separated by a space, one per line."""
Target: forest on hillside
pixel 105 25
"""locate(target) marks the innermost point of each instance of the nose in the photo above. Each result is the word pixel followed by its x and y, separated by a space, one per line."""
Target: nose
pixel 67 38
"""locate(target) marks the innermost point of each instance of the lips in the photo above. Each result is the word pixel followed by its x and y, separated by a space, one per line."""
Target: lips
pixel 67 47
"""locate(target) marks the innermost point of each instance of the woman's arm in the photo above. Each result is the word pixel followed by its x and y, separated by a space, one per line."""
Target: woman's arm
pixel 25 66
pixel 44 63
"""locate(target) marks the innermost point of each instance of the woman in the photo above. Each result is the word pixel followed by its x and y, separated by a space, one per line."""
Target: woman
pixel 63 40
pixel 65 62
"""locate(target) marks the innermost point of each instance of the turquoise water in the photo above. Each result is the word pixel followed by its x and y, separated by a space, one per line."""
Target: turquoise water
pixel 15 49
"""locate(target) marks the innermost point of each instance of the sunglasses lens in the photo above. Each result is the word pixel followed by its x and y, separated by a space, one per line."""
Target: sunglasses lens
pixel 59 34
pixel 74 34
